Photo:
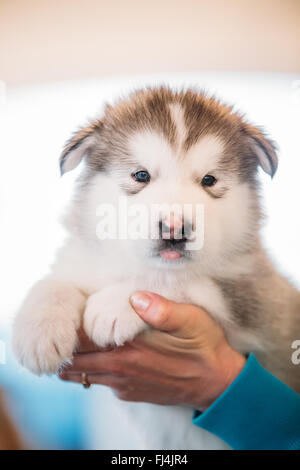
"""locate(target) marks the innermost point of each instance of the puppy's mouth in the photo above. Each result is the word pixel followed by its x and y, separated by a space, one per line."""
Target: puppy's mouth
pixel 170 254
pixel 173 243
pixel 172 250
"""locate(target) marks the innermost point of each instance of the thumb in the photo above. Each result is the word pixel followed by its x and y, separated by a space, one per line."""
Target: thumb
pixel 162 313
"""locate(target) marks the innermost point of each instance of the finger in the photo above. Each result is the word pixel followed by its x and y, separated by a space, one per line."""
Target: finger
pixel 86 345
pixel 125 390
pixel 126 361
pixel 115 361
pixel 94 379
pixel 164 314
pixel 93 362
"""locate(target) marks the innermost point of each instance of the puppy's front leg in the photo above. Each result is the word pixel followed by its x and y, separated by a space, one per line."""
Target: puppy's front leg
pixel 109 318
pixel 44 332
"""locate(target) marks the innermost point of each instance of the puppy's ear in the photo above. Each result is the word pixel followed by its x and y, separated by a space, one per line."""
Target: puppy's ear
pixel 264 148
pixel 80 145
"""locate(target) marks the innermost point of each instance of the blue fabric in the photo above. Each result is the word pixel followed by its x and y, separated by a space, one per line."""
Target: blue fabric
pixel 256 412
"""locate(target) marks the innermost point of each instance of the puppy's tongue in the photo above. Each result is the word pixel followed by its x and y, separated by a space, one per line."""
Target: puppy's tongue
pixel 170 254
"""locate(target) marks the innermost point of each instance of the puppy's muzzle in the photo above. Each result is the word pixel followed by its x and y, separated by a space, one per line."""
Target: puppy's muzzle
pixel 175 233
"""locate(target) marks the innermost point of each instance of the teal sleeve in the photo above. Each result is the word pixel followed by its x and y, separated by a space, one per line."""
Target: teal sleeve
pixel 257 411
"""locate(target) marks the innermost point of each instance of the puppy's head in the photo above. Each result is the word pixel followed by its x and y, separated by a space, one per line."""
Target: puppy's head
pixel 187 163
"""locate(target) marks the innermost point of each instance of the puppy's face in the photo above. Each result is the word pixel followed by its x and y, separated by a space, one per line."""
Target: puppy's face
pixel 183 168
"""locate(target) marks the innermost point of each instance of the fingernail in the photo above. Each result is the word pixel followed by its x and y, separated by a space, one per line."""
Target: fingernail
pixel 140 301
pixel 62 375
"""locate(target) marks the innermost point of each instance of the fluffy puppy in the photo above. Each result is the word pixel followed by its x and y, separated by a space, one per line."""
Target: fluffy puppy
pixel 176 149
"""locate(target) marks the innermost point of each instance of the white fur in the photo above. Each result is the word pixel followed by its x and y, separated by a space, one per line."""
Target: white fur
pixel 177 114
pixel 45 329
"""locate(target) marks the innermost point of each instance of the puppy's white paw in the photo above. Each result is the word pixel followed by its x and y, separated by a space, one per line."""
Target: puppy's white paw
pixel 109 318
pixel 42 346
pixel 45 330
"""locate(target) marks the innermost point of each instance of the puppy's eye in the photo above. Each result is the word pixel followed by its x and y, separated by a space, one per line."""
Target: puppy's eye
pixel 208 180
pixel 141 176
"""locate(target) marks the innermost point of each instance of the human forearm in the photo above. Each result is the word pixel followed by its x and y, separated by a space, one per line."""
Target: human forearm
pixel 256 412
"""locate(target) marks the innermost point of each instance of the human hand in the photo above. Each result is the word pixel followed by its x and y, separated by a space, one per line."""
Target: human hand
pixel 185 359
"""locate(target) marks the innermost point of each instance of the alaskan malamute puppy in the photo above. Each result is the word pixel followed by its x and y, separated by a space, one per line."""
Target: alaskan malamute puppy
pixel 172 148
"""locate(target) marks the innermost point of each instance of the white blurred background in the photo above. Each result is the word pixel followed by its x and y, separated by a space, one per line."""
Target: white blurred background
pixel 60 61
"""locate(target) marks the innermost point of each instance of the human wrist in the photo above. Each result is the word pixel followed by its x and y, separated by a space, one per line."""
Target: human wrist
pixel 223 366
